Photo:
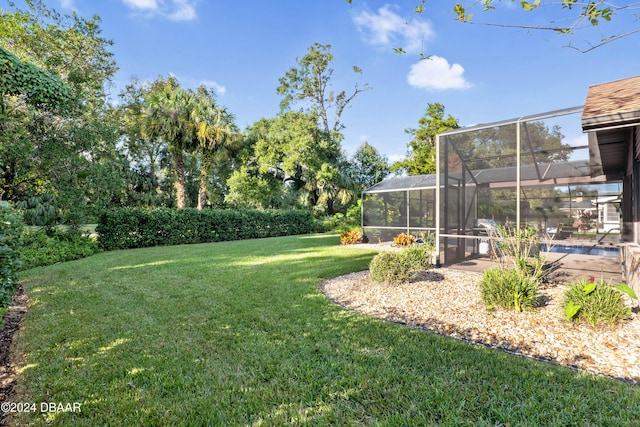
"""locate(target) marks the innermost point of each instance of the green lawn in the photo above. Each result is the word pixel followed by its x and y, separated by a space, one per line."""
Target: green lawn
pixel 237 333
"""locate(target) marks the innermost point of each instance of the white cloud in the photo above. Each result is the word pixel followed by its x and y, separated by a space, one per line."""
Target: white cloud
pixel 142 4
pixel 395 157
pixel 67 4
pixel 436 73
pixel 388 29
pixel 175 10
pixel 217 88
pixel 185 10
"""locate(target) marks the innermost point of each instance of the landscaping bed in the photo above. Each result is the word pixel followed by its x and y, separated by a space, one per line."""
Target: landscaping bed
pixel 449 302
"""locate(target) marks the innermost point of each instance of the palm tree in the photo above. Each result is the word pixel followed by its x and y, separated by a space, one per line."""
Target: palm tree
pixel 214 130
pixel 169 117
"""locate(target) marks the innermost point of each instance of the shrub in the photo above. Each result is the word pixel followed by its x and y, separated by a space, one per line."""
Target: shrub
pixel 390 267
pixel 521 247
pixel 11 227
pixel 50 246
pixel 395 267
pixel 419 256
pixel 403 239
pixel 351 237
pixel 595 303
pixel 509 289
pixel 137 228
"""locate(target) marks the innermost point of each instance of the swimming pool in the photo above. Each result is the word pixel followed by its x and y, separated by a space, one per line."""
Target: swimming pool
pixel 611 251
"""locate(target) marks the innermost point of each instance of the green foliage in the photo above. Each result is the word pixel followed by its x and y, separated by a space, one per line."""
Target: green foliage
pixel 419 256
pixel 249 190
pixel 11 227
pixel 311 82
pixel 40 88
pixel 390 267
pixel 38 210
pixel 309 86
pixel 294 150
pixel 69 147
pixel 521 247
pixel 595 303
pixel 50 246
pixel 136 228
pixel 354 212
pixel 394 267
pixel 623 287
pixel 421 151
pixel 351 237
pixel 510 289
pixel 367 167
pixel 571 309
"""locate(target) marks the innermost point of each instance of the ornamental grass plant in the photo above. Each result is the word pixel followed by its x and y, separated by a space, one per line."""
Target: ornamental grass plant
pixel 510 289
pixel 596 303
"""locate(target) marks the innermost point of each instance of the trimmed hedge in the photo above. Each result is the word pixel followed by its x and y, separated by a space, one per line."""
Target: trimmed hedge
pixel 136 228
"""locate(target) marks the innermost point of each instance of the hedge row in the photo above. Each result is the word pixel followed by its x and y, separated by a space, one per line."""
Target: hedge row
pixel 137 228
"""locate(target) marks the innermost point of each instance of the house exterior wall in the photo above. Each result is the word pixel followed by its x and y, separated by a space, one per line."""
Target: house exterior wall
pixel 631 216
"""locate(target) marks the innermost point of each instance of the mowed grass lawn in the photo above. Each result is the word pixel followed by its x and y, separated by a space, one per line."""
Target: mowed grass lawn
pixel 237 333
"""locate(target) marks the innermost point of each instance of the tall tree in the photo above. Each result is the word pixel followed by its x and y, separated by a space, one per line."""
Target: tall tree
pixel 367 167
pixel 421 154
pixel 215 128
pixel 147 155
pixel 168 117
pixel 292 148
pixel 309 86
pixel 24 90
pixel 188 122
pixel 55 153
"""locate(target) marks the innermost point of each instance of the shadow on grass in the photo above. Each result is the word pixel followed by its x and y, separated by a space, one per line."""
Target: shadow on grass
pixel 233 334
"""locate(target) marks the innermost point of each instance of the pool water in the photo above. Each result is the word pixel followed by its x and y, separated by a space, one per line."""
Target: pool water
pixel 611 251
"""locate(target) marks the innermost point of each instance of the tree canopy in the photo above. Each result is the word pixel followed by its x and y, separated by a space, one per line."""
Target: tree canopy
pixel 310 84
pixel 67 151
pixel 368 167
pixel 421 153
pixel 39 87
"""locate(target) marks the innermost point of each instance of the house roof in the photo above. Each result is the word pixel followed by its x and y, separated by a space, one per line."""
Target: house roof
pixel 404 183
pixel 614 103
pixel 565 173
pixel 610 113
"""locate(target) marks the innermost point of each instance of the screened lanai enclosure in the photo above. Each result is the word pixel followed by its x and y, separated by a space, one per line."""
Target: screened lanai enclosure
pixel 400 205
pixel 534 171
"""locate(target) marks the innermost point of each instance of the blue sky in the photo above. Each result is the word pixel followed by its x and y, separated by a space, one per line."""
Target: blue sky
pixel 480 73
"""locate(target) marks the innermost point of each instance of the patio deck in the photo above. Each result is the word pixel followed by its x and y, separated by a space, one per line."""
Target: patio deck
pixel 565 267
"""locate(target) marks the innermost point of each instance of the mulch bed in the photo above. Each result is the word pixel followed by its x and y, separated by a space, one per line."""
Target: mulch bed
pixel 11 324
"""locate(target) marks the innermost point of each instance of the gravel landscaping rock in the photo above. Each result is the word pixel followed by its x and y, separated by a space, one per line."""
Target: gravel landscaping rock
pixel 448 302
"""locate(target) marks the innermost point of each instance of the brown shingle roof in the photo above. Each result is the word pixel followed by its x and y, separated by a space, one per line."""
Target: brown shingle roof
pixel 611 104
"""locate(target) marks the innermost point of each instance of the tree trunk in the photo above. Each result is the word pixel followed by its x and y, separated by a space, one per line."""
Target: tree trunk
pixel 181 187
pixel 330 209
pixel 202 190
pixel 206 165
